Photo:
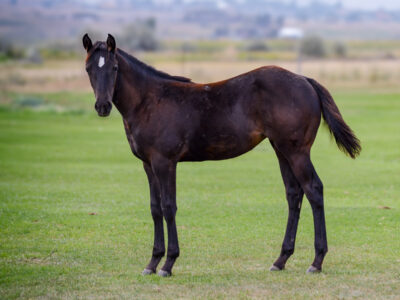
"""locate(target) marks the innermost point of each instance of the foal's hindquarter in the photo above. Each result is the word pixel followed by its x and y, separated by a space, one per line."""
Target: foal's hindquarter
pixel 193 122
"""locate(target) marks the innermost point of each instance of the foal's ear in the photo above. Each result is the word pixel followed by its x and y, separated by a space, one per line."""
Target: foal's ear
pixel 87 42
pixel 110 43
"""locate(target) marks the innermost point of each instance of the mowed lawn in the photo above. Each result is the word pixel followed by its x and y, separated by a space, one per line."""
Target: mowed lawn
pixel 75 216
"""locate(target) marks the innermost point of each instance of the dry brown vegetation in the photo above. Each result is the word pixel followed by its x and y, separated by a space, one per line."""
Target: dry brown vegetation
pixel 54 76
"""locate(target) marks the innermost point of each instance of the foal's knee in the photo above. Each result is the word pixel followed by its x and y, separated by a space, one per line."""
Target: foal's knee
pixel 156 211
pixel 169 212
pixel 293 192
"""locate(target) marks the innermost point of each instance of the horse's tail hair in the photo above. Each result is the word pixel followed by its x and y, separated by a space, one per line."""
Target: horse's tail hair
pixel 344 136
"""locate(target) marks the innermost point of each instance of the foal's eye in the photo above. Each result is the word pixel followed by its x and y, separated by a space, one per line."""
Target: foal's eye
pixel 115 68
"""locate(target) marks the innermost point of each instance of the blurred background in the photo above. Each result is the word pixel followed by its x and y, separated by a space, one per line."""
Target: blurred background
pixel 74 201
pixel 344 44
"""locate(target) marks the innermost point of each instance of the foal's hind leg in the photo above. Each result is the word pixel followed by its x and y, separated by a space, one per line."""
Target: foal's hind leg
pixel 312 186
pixel 294 196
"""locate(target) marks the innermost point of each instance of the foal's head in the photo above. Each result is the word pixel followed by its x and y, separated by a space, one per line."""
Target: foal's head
pixel 102 68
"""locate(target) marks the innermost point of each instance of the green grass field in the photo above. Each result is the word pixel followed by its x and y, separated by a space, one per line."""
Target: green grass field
pixel 75 216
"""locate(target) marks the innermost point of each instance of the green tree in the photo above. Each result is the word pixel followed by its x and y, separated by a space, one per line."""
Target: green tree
pixel 313 46
pixel 257 45
pixel 140 35
pixel 339 49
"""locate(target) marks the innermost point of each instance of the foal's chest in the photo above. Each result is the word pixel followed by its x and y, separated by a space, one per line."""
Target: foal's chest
pixel 136 150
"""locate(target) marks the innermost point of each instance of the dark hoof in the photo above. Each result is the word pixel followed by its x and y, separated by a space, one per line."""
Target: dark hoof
pixel 275 268
pixel 147 272
pixel 313 270
pixel 163 273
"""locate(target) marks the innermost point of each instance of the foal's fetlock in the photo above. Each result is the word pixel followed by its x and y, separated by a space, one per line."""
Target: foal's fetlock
pixel 158 253
pixel 152 266
pixel 316 266
pixel 166 270
pixel 278 265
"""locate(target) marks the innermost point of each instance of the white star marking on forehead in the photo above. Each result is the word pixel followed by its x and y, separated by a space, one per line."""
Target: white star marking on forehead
pixel 101 61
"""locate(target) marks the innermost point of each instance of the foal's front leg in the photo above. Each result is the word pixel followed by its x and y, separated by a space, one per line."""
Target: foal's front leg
pixel 165 171
pixel 156 212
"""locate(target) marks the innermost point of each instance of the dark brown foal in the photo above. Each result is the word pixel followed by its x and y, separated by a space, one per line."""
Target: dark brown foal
pixel 169 119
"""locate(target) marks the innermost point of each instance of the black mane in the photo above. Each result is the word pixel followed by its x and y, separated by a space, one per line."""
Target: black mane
pixel 149 69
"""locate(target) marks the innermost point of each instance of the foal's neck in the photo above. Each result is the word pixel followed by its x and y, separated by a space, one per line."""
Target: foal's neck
pixel 132 87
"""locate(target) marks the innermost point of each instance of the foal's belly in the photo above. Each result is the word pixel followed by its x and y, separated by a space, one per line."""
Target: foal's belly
pixel 219 146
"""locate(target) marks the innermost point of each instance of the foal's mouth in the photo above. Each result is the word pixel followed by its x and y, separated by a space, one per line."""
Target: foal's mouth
pixel 106 114
pixel 103 110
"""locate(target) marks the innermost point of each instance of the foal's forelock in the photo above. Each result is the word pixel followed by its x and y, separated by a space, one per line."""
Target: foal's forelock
pixel 98 46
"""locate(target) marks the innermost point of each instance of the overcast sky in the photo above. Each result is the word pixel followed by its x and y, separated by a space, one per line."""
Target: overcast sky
pixel 366 4
pixel 359 4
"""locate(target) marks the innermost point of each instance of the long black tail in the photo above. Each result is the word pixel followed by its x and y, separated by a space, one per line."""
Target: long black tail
pixel 344 136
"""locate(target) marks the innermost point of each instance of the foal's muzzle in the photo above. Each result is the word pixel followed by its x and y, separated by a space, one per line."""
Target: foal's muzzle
pixel 103 108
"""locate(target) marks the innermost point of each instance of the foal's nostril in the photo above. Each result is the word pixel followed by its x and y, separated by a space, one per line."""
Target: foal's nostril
pixel 103 108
